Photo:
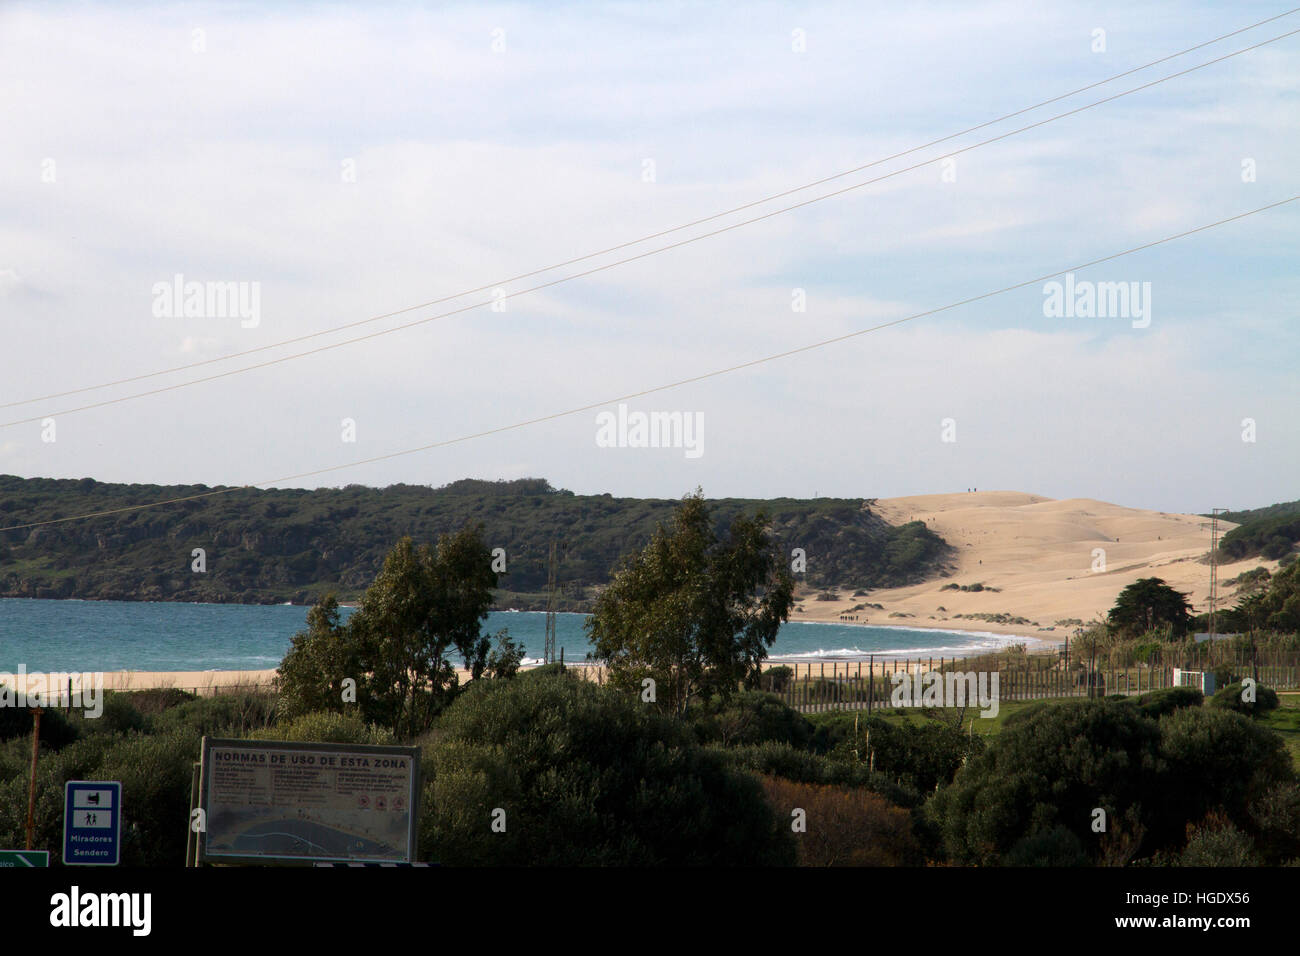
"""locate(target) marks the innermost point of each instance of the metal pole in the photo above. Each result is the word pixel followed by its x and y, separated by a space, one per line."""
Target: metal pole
pixel 192 838
pixel 31 788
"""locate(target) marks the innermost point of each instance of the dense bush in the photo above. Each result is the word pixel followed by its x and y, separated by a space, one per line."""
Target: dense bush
pixel 56 731
pixel 155 772
pixel 1158 703
pixel 777 679
pixel 1216 761
pixel 230 715
pixel 585 775
pixel 1055 847
pixel 750 717
pixel 326 727
pixel 801 766
pixel 1218 843
pixel 920 756
pixel 843 826
pixel 119 716
pixel 1232 698
pixel 1275 823
pixel 1052 765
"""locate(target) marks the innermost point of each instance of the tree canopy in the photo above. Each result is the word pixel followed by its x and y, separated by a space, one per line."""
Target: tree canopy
pixel 1150 603
pixel 693 612
pixel 426 607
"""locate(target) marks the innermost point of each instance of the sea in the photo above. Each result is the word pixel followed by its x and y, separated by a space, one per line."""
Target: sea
pixel 71 635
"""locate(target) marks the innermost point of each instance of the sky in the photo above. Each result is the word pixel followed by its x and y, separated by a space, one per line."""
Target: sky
pixel 340 164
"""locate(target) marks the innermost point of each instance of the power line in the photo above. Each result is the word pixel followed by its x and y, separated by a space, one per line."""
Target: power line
pixel 641 255
pixel 658 388
pixel 656 235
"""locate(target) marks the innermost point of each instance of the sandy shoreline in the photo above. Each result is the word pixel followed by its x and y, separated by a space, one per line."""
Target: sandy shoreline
pixel 211 683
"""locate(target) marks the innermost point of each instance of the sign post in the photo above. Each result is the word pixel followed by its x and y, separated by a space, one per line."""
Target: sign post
pixel 92 822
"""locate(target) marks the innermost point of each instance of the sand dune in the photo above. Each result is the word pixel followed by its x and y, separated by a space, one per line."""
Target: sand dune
pixel 1040 553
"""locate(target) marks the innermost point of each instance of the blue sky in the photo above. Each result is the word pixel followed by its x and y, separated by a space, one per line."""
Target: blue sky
pixel 212 141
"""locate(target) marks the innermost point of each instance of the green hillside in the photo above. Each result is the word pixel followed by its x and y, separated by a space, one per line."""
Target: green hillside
pixel 278 545
pixel 1270 532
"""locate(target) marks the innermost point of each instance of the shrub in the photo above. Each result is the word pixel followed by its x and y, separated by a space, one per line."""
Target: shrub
pixel 545 670
pixel 325 726
pixel 1216 760
pixel 750 717
pixel 154 701
pixel 585 775
pixel 844 826
pixel 1223 676
pixel 56 731
pixel 1055 762
pixel 119 716
pixel 782 760
pixel 1275 818
pixel 920 756
pixel 1055 847
pixel 1218 843
pixel 1051 765
pixel 777 679
pixel 801 766
pixel 155 772
pixel 1158 703
pixel 228 714
pixel 1231 698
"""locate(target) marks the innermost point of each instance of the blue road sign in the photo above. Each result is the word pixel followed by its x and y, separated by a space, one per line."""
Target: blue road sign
pixel 92 822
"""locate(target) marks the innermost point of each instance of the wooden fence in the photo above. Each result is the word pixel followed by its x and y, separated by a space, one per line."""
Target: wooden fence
pixel 870 684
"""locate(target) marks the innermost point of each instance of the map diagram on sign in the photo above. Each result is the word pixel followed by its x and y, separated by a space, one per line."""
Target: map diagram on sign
pixel 298 804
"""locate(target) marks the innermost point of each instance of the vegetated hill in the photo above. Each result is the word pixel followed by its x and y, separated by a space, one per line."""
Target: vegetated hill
pixel 1270 532
pixel 277 545
pixel 1268 602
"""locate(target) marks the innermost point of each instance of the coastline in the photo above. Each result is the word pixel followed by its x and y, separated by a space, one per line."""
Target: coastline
pixel 212 682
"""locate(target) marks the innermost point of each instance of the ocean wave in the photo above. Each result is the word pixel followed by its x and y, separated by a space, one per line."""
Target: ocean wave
pixel 990 642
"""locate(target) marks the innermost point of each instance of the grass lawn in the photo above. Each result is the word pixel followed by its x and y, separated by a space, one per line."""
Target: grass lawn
pixel 1285 722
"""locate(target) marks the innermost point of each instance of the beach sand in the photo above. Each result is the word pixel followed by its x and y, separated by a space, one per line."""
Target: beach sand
pixel 212 683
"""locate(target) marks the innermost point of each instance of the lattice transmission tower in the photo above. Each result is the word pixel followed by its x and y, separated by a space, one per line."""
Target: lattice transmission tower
pixel 1214 564
pixel 548 652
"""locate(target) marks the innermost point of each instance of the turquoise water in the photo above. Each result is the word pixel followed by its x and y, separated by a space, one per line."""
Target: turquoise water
pixel 144 636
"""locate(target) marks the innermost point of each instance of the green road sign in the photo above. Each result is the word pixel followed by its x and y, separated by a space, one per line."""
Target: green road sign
pixel 24 858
